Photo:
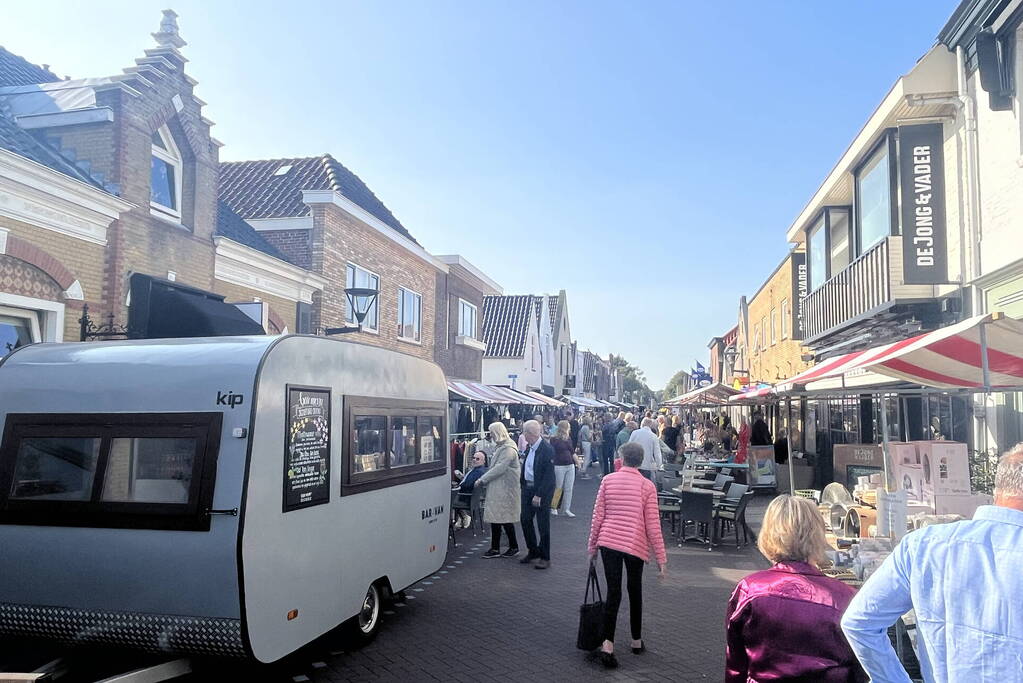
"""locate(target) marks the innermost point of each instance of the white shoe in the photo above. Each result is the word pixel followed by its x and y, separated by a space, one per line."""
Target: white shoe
pixel 569 513
pixel 554 513
pixel 467 523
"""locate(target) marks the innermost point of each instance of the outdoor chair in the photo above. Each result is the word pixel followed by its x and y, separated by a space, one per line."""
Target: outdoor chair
pixel 668 504
pixel 698 509
pixel 735 517
pixel 733 494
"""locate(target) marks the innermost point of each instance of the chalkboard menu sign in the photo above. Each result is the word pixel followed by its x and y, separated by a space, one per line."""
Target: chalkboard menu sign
pixel 307 448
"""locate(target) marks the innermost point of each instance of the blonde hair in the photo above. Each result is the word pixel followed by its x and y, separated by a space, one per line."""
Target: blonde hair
pixel 676 421
pixel 499 432
pixel 629 417
pixel 793 531
pixel 564 430
pixel 587 420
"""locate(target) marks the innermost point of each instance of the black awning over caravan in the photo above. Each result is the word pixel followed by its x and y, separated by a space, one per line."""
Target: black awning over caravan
pixel 162 309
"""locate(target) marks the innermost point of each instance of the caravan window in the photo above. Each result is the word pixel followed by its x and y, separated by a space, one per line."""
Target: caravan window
pixel 390 442
pixel 120 470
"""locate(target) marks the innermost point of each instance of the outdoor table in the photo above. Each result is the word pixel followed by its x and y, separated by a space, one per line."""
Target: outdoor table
pixel 689 489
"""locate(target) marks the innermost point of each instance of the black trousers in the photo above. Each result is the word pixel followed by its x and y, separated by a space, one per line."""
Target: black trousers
pixel 537 547
pixel 613 561
pixel 495 536
pixel 607 457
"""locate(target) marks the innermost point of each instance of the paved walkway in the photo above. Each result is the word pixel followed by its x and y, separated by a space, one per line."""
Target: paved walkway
pixel 498 620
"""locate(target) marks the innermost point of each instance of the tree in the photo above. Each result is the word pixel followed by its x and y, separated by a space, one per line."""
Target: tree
pixel 633 380
pixel 678 384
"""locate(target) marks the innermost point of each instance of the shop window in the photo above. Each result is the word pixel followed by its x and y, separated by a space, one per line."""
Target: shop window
pixel 165 174
pixel 118 470
pixel 828 243
pixel 390 442
pixel 409 315
pixel 356 276
pixel 466 319
pixel 874 198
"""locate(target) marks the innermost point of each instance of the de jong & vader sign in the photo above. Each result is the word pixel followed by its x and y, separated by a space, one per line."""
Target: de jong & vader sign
pixel 922 181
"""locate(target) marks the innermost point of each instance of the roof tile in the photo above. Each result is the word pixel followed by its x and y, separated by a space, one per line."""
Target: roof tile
pixel 233 227
pixel 15 70
pixel 506 321
pixel 256 189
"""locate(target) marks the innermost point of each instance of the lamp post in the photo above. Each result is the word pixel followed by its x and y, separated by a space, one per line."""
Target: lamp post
pixel 361 300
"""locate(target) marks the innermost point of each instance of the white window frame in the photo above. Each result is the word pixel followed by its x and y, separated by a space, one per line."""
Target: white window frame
pixel 171 156
pixel 375 329
pixel 49 315
pixel 402 291
pixel 786 316
pixel 462 305
pixel 774 326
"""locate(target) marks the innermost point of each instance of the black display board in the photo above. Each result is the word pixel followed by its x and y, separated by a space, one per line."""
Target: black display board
pixel 922 174
pixel 307 447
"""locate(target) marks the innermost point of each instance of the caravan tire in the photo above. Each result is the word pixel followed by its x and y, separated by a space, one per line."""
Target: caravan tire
pixel 364 626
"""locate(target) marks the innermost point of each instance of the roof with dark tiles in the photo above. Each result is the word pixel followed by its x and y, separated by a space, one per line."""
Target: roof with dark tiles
pixel 552 302
pixel 506 321
pixel 15 70
pixel 14 139
pixel 233 227
pixel 254 189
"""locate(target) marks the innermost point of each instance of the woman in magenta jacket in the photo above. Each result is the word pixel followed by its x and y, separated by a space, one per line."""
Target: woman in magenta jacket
pixel 626 525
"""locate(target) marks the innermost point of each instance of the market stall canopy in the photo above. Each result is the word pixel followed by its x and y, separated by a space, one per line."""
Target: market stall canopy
pixel 485 393
pixel 547 400
pixel 954 357
pixel 712 394
pixel 584 402
pixel 752 395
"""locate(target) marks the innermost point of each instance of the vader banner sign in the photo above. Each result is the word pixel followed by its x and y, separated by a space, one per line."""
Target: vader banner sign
pixel 922 179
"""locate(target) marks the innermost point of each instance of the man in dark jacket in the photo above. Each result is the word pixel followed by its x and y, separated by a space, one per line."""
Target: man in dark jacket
pixel 537 481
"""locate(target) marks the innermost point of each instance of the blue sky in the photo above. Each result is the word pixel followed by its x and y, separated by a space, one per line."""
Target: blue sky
pixel 646 157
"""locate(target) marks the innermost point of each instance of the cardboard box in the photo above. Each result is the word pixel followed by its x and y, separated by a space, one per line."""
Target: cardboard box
pixel 902 452
pixel 946 468
pixel 909 477
pixel 960 505
pixel 853 460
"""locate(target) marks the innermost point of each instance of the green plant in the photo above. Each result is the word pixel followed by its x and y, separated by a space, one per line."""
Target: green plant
pixel 982 470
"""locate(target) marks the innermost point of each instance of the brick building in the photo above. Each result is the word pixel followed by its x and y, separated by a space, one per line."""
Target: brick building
pixel 770 349
pixel 458 326
pixel 322 217
pixel 103 178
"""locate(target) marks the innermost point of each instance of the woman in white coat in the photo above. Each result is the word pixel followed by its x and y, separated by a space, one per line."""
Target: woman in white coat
pixel 503 503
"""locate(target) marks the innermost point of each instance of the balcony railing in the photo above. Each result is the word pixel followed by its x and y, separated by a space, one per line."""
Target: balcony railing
pixel 865 285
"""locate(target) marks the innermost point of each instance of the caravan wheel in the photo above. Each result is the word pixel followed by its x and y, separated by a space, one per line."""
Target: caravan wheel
pixel 363 627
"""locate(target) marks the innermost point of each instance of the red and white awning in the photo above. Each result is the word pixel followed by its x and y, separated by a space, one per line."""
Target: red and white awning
pixel 752 394
pixel 486 393
pixel 949 358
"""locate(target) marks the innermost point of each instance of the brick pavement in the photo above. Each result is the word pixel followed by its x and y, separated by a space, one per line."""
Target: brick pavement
pixel 498 620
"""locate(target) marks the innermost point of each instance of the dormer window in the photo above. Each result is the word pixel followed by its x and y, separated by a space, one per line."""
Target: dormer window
pixel 165 175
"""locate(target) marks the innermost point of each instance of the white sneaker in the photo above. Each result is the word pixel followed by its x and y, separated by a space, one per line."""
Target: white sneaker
pixel 554 513
pixel 569 513
pixel 467 523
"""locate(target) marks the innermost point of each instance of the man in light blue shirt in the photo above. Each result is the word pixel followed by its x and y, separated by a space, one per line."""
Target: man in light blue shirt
pixel 965 583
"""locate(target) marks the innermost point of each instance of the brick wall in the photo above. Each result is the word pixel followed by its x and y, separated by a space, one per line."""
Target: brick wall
pixel 457 360
pixel 282 309
pixel 293 244
pixel 780 360
pixel 338 238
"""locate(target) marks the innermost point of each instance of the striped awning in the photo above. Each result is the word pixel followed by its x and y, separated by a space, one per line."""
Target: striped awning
pixel 712 394
pixel 584 402
pixel 752 395
pixel 486 393
pixel 950 358
pixel 547 400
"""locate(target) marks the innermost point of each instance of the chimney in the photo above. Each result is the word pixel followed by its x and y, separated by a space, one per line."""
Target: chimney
pixel 168 36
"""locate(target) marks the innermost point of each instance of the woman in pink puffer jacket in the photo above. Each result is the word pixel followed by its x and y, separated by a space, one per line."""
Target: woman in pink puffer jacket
pixel 626 525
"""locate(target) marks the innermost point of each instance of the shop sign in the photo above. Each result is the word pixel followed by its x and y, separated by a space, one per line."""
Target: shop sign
pixel 800 288
pixel 307 448
pixel 922 177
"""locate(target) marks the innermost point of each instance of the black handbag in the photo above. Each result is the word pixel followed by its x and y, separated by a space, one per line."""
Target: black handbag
pixel 591 614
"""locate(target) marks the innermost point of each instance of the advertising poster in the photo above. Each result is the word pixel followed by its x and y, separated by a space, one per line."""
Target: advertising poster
pixel 307 448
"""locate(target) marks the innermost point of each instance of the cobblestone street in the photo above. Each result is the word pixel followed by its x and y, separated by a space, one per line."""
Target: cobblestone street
pixel 496 619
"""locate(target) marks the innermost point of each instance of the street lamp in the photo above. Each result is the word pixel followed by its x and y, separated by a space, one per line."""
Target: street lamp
pixel 361 300
pixel 731 354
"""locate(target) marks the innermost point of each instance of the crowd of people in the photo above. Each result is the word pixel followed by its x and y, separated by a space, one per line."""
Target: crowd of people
pixel 788 622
